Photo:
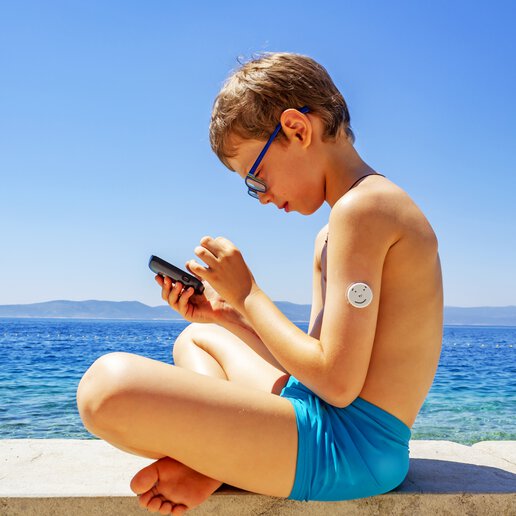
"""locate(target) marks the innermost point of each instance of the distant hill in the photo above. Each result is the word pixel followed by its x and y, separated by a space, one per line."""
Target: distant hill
pixel 120 310
pixel 472 316
pixel 297 313
pixel 89 310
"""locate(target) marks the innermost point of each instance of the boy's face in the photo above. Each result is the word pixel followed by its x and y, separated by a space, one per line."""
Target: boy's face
pixel 288 169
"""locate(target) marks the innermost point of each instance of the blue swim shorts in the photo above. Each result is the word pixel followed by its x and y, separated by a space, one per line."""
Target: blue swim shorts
pixel 345 453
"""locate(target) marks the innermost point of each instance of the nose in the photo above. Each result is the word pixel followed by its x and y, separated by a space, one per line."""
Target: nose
pixel 264 198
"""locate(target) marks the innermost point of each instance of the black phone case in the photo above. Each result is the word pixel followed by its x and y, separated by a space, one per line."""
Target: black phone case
pixel 160 266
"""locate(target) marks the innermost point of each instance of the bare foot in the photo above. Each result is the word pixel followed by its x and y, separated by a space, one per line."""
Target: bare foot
pixel 169 487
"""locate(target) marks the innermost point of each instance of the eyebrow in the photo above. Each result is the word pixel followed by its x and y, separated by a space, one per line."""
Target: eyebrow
pixel 236 169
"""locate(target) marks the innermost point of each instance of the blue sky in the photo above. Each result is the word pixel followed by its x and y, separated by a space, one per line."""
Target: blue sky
pixel 105 158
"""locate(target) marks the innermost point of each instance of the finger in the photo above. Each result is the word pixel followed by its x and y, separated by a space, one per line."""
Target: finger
pixel 167 285
pixel 219 246
pixel 174 295
pixel 214 245
pixel 206 256
pixel 198 270
pixel 159 278
pixel 206 239
pixel 183 300
pixel 187 265
pixel 220 240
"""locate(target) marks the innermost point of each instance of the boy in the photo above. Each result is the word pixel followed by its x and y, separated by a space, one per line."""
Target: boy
pixel 253 401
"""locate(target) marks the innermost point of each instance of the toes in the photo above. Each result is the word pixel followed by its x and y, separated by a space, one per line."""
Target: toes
pixel 178 510
pixel 145 498
pixel 145 479
pixel 166 508
pixel 154 504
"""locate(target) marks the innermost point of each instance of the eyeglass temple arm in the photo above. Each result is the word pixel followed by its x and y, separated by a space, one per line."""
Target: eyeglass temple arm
pixel 304 109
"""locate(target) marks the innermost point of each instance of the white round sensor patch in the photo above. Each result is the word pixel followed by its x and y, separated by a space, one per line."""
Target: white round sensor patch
pixel 360 295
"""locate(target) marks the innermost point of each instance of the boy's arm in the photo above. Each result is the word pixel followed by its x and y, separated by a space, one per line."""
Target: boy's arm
pixel 335 365
pixel 236 323
pixel 241 328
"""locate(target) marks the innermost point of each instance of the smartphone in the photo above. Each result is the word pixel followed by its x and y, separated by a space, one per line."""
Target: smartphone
pixel 163 268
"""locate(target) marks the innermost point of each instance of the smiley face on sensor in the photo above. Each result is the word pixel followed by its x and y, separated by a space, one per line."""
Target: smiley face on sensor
pixel 360 295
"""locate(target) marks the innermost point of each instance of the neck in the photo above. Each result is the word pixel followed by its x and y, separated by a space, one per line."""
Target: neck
pixel 343 168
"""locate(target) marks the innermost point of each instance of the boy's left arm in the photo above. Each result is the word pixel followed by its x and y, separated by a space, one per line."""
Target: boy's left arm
pixel 335 365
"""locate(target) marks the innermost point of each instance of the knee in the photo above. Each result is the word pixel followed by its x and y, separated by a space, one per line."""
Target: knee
pixel 185 340
pixel 104 380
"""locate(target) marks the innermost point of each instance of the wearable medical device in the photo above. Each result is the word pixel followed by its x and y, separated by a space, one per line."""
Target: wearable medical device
pixel 360 295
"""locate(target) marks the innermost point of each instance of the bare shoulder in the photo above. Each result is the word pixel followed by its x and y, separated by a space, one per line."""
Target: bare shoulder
pixel 384 209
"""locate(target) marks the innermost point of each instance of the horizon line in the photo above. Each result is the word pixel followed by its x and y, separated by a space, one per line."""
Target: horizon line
pixel 156 306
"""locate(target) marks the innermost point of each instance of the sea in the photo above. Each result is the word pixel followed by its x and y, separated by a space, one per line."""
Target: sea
pixel 473 397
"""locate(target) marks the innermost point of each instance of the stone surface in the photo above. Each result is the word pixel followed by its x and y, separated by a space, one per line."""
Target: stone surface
pixel 88 478
pixel 448 467
pixel 503 449
pixel 66 467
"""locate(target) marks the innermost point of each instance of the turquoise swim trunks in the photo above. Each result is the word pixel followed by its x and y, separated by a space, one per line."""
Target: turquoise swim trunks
pixel 345 453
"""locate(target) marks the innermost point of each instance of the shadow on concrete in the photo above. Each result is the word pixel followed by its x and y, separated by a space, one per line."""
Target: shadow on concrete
pixel 442 476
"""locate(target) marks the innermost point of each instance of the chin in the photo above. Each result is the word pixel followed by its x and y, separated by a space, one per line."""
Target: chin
pixel 308 210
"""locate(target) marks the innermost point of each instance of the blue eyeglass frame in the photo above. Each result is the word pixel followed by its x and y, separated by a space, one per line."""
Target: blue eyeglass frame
pixel 252 191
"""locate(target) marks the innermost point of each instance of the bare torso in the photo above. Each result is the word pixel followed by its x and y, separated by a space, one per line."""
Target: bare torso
pixel 408 337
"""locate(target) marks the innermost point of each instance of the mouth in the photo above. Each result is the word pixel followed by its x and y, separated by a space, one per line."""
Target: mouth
pixel 285 207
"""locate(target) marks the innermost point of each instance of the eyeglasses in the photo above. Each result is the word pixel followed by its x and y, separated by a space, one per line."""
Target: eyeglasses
pixel 254 184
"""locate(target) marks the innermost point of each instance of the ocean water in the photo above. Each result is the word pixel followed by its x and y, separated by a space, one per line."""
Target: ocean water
pixel 473 397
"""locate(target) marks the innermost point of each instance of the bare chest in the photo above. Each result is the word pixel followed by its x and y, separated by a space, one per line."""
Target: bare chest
pixel 324 267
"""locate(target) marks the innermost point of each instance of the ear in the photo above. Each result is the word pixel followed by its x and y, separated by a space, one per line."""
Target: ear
pixel 296 126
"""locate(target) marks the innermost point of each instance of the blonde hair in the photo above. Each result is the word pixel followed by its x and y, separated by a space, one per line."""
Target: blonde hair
pixel 251 101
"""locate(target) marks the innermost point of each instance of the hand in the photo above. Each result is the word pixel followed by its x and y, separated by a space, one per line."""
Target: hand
pixel 203 308
pixel 226 270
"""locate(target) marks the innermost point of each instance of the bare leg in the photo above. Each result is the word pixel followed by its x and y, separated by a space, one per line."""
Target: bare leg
pixel 213 351
pixel 241 436
pixel 191 351
pixel 190 357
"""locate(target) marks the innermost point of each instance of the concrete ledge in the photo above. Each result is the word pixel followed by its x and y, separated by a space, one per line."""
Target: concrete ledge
pixel 89 477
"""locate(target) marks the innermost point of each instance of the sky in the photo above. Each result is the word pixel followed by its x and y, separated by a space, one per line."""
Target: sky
pixel 105 157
